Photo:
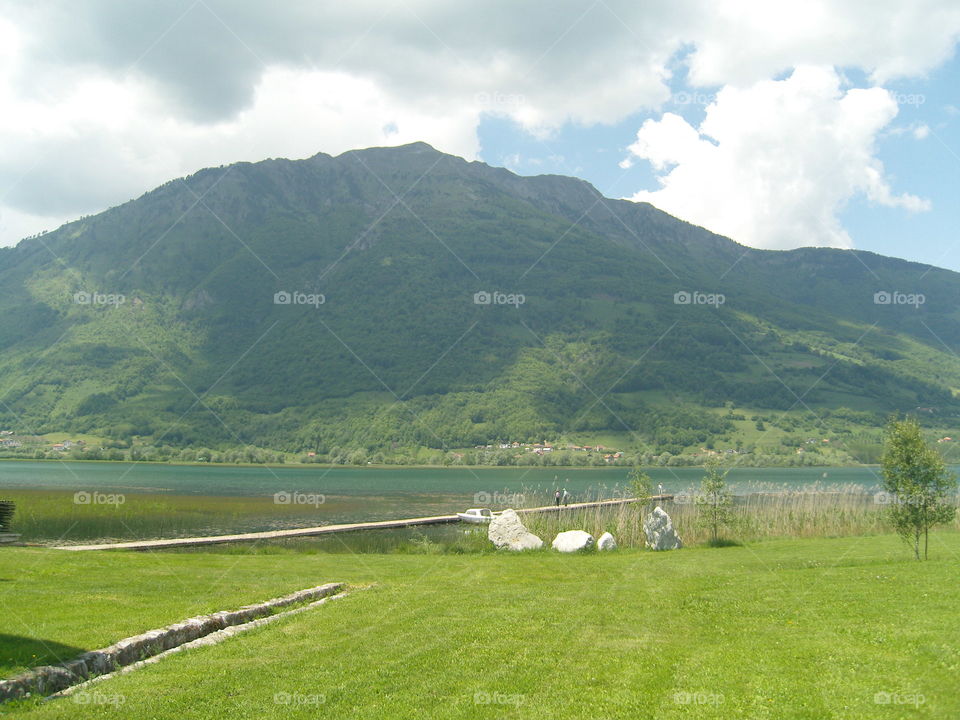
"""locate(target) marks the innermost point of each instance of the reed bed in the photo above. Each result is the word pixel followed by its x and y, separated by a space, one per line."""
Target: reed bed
pixel 54 517
pixel 764 512
pixel 759 512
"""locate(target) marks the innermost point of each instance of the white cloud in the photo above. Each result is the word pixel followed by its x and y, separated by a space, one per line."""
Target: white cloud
pixel 101 153
pixel 743 41
pixel 16 224
pixel 102 100
pixel 921 131
pixel 772 164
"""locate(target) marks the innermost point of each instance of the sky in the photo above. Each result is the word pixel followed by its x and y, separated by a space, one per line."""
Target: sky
pixel 781 125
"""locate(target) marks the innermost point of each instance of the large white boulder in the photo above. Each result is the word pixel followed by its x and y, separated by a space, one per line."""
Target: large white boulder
pixel 506 531
pixel 659 531
pixel 606 542
pixel 573 541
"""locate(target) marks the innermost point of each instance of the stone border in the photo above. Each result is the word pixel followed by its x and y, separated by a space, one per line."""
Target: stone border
pixel 50 679
pixel 213 638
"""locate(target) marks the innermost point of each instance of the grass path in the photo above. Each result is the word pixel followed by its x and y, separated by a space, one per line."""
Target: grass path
pixel 781 629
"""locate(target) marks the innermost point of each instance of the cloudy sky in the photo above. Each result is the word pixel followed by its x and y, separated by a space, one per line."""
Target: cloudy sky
pixel 822 122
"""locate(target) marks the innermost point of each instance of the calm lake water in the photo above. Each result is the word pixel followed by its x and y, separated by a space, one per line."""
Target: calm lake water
pixel 460 483
pixel 72 500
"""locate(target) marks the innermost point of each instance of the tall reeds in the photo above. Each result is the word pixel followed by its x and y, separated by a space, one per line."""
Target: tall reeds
pixel 774 511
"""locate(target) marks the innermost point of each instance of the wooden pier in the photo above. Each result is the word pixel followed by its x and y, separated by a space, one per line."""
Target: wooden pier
pixel 329 529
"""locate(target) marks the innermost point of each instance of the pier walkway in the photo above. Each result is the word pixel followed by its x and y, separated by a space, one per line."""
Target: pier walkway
pixel 329 529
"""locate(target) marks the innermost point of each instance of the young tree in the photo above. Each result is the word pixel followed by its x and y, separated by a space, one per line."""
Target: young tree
pixel 641 485
pixel 917 480
pixel 714 500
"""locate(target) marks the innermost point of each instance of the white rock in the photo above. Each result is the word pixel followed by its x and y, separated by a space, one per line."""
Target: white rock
pixel 506 531
pixel 527 541
pixel 659 531
pixel 573 541
pixel 606 542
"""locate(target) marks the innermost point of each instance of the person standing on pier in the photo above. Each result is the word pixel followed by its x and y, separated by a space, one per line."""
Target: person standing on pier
pixel 556 497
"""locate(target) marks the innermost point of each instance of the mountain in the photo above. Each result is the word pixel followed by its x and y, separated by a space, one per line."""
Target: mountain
pixel 391 299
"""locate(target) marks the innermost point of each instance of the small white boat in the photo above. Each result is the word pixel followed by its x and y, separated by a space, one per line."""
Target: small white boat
pixel 477 516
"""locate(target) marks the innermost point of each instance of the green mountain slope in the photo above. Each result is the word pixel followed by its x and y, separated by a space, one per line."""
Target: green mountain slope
pixel 158 321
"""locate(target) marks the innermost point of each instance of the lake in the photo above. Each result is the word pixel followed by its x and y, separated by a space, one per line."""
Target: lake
pixel 77 501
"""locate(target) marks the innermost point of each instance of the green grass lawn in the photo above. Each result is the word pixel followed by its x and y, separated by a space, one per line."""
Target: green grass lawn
pixel 812 628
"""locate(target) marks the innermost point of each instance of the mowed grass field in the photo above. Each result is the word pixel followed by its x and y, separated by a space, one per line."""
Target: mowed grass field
pixel 805 628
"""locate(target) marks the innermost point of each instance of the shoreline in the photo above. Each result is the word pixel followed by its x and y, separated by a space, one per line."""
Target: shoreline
pixel 386 466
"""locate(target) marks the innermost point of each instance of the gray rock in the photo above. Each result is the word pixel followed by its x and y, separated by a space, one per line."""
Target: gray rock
pixel 606 542
pixel 506 531
pixel 573 541
pixel 659 531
